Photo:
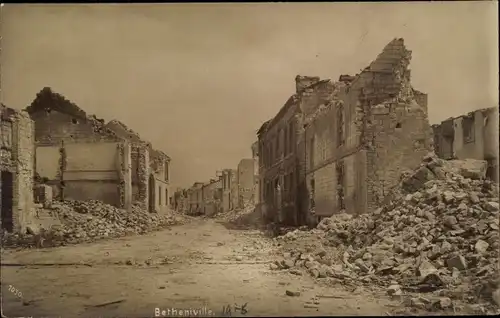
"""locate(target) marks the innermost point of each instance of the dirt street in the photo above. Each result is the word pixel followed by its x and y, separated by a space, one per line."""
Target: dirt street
pixel 200 264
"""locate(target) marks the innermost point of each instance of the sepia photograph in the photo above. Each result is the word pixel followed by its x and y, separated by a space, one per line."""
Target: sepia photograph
pixel 249 159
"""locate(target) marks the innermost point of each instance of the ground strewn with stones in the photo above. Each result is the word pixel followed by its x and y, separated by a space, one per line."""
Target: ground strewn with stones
pixel 192 265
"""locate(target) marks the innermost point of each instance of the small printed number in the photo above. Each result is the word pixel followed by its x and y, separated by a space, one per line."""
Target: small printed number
pixel 15 291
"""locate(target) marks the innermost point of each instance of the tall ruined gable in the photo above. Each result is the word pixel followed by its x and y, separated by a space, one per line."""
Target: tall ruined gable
pixel 388 76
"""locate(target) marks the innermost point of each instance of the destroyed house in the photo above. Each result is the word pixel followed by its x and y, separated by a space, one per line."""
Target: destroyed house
pixel 67 141
pixel 359 143
pixel 471 136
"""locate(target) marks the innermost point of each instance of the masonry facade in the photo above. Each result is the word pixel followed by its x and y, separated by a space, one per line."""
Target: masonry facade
pixel 374 128
pixel 473 136
pixel 17 155
pixel 282 154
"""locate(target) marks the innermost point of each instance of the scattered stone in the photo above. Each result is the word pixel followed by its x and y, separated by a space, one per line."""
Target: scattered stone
pixel 491 206
pixel 457 262
pixel 444 303
pixel 481 246
pixel 292 293
pixel 89 221
pixel 439 227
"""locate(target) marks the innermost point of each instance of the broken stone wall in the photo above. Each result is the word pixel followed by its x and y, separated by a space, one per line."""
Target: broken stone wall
pixel 301 82
pixel 159 169
pixel 140 174
pixel 18 151
pixel 245 180
pixel 401 138
pixel 468 141
pixel 374 127
pixel 396 131
pixel 75 172
pixel 472 136
pixel 52 127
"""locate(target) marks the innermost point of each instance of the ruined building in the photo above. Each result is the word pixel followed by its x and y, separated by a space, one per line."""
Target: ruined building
pixel 83 158
pixel 281 153
pixel 180 200
pixel 212 197
pixel 17 151
pixel 195 199
pixel 471 136
pixel 374 128
pixel 350 140
pixel 246 181
pixel 156 173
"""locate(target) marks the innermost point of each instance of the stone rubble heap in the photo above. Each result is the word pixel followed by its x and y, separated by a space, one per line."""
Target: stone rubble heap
pixel 438 232
pixel 86 221
pixel 247 217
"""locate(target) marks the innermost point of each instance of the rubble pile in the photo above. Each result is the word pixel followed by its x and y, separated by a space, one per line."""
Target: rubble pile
pixel 438 230
pixel 247 217
pixel 86 221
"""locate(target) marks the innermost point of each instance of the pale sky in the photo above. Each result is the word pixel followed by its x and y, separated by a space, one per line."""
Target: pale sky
pixel 198 80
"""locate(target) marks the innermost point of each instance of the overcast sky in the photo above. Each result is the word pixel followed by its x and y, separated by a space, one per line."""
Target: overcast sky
pixel 198 80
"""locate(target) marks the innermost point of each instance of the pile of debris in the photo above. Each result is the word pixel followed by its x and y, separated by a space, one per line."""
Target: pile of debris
pixel 438 231
pixel 246 218
pixel 87 221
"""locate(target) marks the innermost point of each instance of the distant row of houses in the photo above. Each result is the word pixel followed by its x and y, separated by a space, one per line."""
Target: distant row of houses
pixel 231 189
pixel 75 156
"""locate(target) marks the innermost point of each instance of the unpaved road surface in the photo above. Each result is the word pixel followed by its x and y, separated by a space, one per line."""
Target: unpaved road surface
pixel 196 265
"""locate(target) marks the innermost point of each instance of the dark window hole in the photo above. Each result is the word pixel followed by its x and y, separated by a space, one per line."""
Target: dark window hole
pixel 398 125
pixel 74 121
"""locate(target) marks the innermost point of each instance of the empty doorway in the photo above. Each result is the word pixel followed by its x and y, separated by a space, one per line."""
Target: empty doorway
pixel 7 201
